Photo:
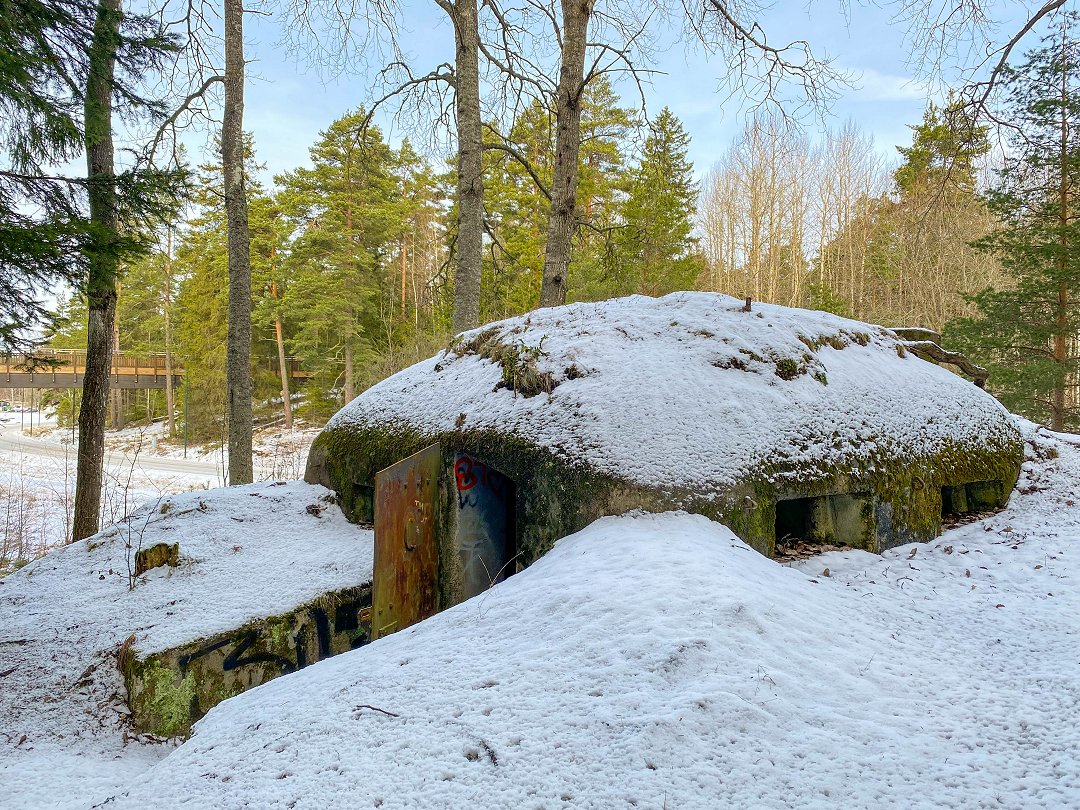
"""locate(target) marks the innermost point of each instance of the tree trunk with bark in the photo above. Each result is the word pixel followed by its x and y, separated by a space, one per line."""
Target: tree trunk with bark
pixel 1061 313
pixel 403 273
pixel 104 264
pixel 238 351
pixel 350 386
pixel 116 398
pixel 170 394
pixel 470 181
pixel 283 366
pixel 561 223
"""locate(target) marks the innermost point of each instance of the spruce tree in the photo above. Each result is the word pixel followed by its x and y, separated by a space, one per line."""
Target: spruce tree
pixel 45 66
pixel 39 125
pixel 657 252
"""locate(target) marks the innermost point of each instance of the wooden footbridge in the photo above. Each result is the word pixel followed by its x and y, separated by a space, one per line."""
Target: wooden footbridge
pixel 61 368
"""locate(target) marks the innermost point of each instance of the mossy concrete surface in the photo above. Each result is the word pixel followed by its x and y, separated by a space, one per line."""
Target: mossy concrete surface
pixel 156 556
pixel 556 498
pixel 687 402
pixel 169 690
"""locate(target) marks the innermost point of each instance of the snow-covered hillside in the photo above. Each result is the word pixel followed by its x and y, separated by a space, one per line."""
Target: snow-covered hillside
pixel 245 552
pixel 655 661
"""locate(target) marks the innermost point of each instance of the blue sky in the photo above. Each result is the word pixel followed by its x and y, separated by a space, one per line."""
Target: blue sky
pixel 288 103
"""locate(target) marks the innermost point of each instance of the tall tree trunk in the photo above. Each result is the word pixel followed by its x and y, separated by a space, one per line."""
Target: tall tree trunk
pixel 470 180
pixel 170 394
pixel 282 363
pixel 1061 311
pixel 350 386
pixel 404 259
pixel 560 234
pixel 103 263
pixel 238 352
pixel 117 396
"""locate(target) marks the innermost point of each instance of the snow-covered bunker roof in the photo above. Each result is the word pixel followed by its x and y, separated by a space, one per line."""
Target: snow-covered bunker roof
pixel 689 401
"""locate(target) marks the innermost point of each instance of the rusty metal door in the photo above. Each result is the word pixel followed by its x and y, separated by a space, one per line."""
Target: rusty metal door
pixel 404 583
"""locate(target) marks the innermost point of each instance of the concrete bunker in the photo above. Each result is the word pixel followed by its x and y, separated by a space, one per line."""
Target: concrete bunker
pixel 776 422
pixel 169 690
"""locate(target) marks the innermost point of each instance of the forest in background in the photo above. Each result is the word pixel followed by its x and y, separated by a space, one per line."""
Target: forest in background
pixel 555 190
pixel 351 257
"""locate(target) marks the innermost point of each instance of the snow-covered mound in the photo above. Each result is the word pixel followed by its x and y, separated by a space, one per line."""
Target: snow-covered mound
pixel 689 388
pixel 245 553
pixel 684 401
pixel 655 661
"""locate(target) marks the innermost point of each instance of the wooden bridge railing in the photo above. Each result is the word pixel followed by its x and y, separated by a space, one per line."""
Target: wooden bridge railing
pixel 63 368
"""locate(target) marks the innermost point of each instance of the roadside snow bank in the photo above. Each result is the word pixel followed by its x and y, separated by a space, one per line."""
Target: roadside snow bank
pixel 245 552
pixel 657 661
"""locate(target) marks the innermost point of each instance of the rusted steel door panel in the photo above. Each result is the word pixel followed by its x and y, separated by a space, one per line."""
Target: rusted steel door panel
pixel 404 585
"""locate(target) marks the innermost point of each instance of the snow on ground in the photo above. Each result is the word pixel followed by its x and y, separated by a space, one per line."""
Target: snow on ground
pixel 655 661
pixel 279 454
pixel 245 552
pixel 689 389
pixel 37 476
pixel 37 490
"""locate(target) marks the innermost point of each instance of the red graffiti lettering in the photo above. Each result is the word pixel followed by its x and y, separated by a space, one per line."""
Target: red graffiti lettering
pixel 463 471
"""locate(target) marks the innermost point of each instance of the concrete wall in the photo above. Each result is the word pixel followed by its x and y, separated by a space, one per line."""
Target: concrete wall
pixel 168 691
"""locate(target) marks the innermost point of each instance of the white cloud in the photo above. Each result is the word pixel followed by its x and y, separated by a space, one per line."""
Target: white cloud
pixel 873 85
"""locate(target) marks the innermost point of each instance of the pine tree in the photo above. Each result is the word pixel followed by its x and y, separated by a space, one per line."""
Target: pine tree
pixel 518 216
pixel 943 155
pixel 520 209
pixel 419 241
pixel 904 257
pixel 1026 334
pixel 346 212
pixel 605 132
pixel 920 260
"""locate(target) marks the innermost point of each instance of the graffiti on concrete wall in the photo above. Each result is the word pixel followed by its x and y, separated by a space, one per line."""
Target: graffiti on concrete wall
pixel 484 523
pixel 313 637
pixel 171 689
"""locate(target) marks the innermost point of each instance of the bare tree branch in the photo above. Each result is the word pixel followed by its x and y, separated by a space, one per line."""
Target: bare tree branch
pixel 504 145
pixel 170 122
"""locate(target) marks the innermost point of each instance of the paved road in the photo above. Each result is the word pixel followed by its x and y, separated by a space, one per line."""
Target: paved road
pixel 11 440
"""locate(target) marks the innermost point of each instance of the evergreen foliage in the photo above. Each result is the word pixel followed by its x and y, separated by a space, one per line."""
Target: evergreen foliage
pixel 344 211
pixel 201 264
pixel 45 236
pixel 655 249
pixel 349 256
pixel 1025 333
pixel 635 221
